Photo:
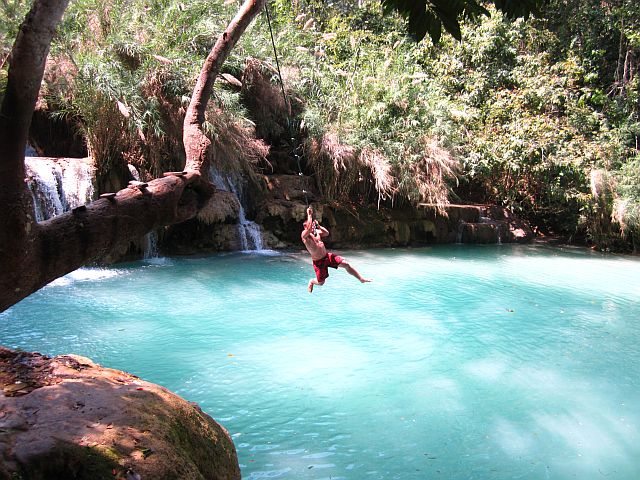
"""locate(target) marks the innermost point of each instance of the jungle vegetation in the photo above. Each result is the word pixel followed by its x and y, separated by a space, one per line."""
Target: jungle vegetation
pixel 540 116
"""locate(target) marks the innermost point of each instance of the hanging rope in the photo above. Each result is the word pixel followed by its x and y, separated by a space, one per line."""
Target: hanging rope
pixel 275 54
pixel 286 104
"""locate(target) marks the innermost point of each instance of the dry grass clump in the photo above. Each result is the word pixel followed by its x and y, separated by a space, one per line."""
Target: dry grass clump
pixel 343 172
pixel 429 177
pixel 620 214
pixel 235 147
pixel 107 136
pixel 335 166
pixel 598 183
pixel 627 214
pixel 262 96
pixel 59 75
pixel 160 139
pixel 380 170
pixel 600 217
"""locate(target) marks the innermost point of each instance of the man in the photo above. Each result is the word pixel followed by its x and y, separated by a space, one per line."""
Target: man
pixel 312 236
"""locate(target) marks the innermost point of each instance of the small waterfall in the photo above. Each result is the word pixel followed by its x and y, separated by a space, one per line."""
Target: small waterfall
pixel 150 240
pixel 249 232
pixel 58 185
pixel 461 225
pixel 77 184
pixel 134 172
pixel 496 225
pixel 151 245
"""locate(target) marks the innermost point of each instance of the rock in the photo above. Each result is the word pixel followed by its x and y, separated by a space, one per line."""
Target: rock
pixel 517 229
pixel 222 207
pixel 84 421
pixel 482 232
pixel 402 232
pixel 290 187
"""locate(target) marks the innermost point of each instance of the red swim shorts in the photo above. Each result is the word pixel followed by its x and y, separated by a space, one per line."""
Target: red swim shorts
pixel 322 266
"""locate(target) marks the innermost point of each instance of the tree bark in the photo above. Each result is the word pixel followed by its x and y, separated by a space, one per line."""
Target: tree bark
pixel 196 143
pixel 26 68
pixel 33 254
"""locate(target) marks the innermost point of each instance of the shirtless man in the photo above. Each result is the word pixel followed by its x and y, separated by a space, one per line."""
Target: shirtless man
pixel 312 236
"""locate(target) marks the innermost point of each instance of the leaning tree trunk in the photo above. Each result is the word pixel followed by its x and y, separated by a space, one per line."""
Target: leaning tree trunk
pixel 33 254
pixel 196 143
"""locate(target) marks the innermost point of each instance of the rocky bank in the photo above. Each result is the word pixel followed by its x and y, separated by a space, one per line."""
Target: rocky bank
pixel 66 417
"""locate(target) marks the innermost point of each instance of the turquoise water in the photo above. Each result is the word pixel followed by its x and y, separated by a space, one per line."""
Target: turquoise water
pixel 457 362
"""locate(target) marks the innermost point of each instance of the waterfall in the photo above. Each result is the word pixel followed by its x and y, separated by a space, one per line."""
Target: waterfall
pixel 151 245
pixel 249 232
pixel 134 172
pixel 77 184
pixel 58 185
pixel 460 231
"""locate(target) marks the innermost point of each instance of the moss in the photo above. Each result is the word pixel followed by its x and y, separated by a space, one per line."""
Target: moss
pixel 109 453
pixel 198 438
pixel 68 460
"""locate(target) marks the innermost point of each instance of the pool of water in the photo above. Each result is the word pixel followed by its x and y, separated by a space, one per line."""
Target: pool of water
pixel 457 362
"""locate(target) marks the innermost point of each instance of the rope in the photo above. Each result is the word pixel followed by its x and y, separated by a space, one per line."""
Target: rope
pixel 275 54
pixel 286 103
pixel 295 153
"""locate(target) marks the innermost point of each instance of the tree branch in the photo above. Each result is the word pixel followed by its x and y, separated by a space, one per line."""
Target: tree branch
pixel 196 143
pixel 32 254
pixel 86 234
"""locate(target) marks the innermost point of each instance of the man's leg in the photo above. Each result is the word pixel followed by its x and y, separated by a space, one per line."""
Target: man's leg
pixel 313 282
pixel 352 271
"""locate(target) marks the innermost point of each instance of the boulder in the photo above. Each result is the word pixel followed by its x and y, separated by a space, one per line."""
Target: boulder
pixel 67 417
pixel 517 230
pixel 487 232
pixel 220 208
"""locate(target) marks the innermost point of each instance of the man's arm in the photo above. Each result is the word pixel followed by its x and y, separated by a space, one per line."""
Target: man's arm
pixel 308 225
pixel 323 231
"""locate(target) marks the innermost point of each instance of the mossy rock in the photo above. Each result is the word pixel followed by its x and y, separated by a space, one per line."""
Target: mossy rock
pixel 77 420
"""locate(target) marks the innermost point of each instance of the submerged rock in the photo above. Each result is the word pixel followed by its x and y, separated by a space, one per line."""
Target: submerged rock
pixel 67 417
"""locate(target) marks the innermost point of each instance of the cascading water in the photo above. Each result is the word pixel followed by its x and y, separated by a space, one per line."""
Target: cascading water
pixel 151 245
pixel 134 172
pixel 249 232
pixel 460 230
pixel 59 185
pixel 150 240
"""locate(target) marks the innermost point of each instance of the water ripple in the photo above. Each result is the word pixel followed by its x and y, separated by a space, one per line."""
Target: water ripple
pixel 457 362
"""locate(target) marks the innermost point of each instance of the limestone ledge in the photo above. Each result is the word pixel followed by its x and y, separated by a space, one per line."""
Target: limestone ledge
pixel 357 227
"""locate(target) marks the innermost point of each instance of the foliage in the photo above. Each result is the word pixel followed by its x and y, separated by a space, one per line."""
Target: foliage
pixel 431 16
pixel 132 77
pixel 539 116
pixel 12 12
pixel 528 109
pixel 626 209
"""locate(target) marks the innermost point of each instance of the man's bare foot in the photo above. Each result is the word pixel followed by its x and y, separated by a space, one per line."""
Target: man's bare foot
pixel 365 280
pixel 310 287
